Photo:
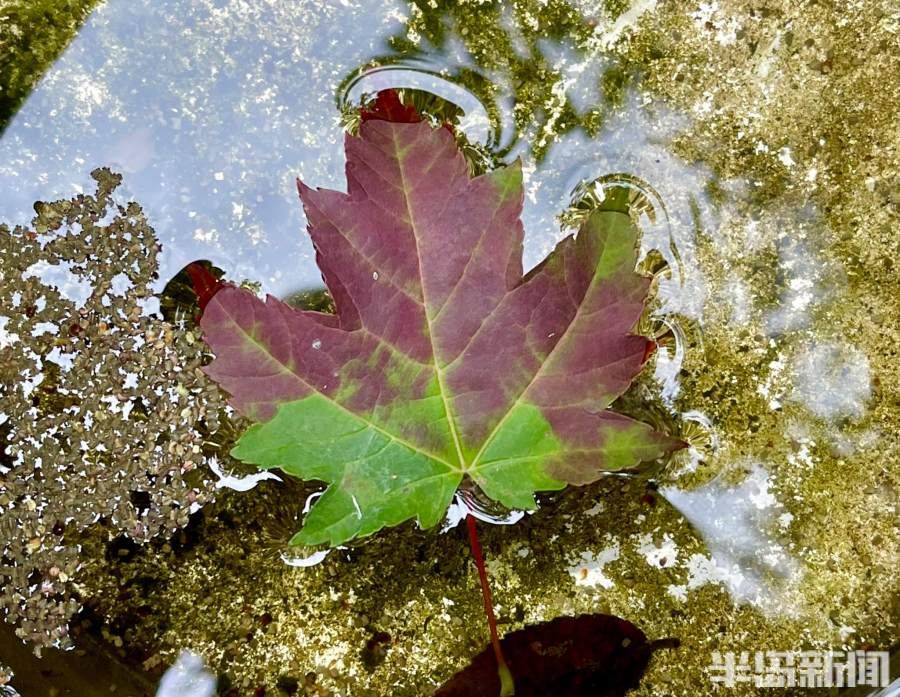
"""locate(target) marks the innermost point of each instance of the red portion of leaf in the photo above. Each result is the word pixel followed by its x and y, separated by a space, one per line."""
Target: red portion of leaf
pixel 383 272
pixel 388 107
pixel 205 283
pixel 291 337
pixel 567 333
pixel 586 656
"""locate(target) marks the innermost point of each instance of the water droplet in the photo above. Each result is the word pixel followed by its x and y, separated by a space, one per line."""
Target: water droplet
pixel 310 500
pixel 468 500
pixel 317 344
pixel 374 275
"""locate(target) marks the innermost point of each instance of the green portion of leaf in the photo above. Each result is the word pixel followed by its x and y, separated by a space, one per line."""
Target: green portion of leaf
pixel 379 479
pixel 512 466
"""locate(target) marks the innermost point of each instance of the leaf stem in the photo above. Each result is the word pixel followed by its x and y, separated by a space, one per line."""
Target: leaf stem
pixel 507 687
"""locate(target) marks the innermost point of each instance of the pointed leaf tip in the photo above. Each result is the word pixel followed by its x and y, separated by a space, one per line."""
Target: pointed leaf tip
pixel 205 283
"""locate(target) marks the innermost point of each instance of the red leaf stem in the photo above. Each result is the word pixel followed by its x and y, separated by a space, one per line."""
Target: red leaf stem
pixel 506 681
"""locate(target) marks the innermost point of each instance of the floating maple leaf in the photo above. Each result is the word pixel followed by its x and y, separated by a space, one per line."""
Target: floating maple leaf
pixel 442 361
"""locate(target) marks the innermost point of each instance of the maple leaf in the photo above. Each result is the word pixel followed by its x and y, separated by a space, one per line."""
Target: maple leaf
pixel 442 361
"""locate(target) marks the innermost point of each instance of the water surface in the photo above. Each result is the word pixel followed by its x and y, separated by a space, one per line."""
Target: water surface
pixel 758 141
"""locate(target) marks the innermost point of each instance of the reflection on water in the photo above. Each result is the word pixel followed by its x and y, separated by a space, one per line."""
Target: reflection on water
pixel 832 380
pixel 188 677
pixel 211 110
pixel 741 524
pixel 212 107
pixel 474 121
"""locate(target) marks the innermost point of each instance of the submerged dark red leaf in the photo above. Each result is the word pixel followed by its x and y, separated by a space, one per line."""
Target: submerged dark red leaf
pixel 586 656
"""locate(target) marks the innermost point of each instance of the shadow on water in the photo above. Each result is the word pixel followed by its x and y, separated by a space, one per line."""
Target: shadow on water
pixel 90 671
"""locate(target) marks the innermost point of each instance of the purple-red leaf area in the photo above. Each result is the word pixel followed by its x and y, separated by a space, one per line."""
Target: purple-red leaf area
pixel 442 360
pixel 586 656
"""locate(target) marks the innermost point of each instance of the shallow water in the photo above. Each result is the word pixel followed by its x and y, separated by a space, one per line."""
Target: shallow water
pixel 759 140
pixel 211 129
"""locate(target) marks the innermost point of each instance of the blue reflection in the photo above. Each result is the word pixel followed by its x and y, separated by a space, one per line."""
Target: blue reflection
pixel 210 110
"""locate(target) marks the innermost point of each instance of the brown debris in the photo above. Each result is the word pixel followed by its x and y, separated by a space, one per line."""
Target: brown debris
pixel 103 405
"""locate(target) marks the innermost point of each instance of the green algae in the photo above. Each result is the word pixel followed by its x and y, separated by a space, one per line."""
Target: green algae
pixel 33 33
pixel 790 107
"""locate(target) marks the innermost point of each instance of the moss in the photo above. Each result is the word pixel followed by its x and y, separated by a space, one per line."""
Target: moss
pixel 33 33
